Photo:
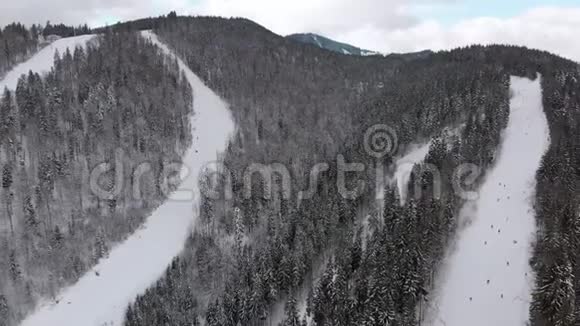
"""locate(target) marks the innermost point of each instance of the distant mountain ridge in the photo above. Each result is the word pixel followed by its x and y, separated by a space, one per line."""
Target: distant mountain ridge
pixel 344 48
pixel 328 44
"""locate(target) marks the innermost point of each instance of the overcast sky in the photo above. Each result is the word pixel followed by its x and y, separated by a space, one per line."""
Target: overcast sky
pixel 382 25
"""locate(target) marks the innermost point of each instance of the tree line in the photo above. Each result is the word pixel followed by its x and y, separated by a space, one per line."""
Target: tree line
pixel 19 42
pixel 295 104
pixel 299 105
pixel 117 95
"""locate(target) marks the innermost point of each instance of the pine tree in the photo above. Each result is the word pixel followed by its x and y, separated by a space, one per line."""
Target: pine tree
pixel 6 184
pixel 554 296
pixel 292 317
pixel 130 316
pixel 100 247
pixel 4 310
pixel 239 228
pixel 29 214
pixel 14 267
pixel 6 114
pixel 356 252
pixel 7 176
pixel 56 238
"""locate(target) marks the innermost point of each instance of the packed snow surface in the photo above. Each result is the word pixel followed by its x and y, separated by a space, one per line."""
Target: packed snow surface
pixel 43 61
pixel 488 280
pixel 102 295
pixel 404 168
pixel 416 154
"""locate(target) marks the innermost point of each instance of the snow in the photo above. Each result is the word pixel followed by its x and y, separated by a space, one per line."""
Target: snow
pixel 404 167
pixel 134 265
pixel 488 279
pixel 345 51
pixel 317 41
pixel 43 61
pixel 365 53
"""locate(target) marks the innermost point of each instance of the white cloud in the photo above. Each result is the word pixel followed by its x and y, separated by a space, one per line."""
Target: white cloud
pixel 383 25
pixel 59 11
pixel 389 26
pixel 549 28
pixel 329 16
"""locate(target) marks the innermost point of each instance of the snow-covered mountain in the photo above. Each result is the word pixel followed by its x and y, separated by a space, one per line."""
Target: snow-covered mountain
pixel 344 48
pixel 328 44
pixel 102 295
pixel 424 188
pixel 488 279
pixel 43 61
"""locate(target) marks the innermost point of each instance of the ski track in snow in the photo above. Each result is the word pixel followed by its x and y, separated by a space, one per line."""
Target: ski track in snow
pixel 134 265
pixel 43 61
pixel 403 169
pixel 495 247
pixel 488 280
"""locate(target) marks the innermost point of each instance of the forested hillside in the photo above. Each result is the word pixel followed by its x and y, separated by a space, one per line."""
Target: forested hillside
pixel 331 100
pixel 297 105
pixel 118 101
pixel 328 44
pixel 17 43
pixel 275 256
pixel 63 30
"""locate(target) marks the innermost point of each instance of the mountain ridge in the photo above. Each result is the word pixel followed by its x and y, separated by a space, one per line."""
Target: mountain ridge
pixel 295 105
pixel 329 44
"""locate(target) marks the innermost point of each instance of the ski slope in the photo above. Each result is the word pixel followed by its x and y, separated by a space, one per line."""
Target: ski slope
pixel 134 265
pixel 488 280
pixel 43 61
pixel 404 168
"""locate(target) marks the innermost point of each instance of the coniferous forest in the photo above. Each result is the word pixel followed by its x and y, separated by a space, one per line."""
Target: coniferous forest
pixel 17 44
pixel 298 105
pixel 118 100
pixel 272 259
